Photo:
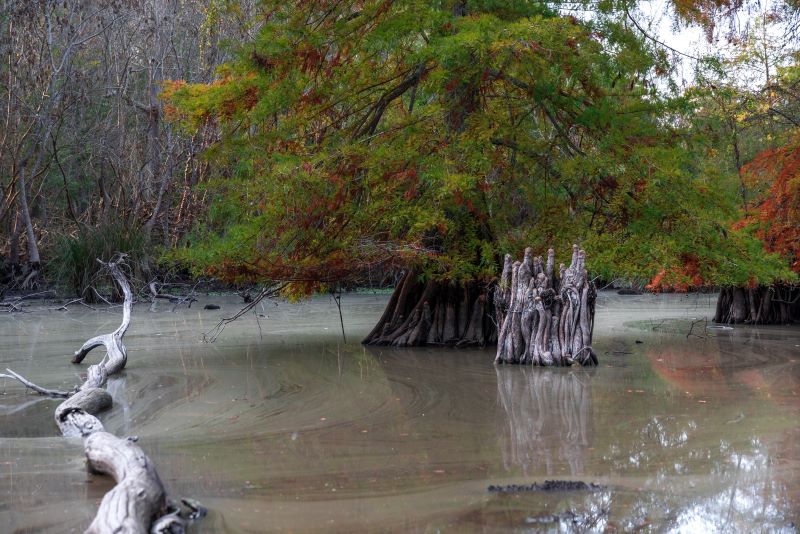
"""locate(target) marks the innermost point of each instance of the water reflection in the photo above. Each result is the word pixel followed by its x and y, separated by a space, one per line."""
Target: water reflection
pixel 547 413
pixel 296 432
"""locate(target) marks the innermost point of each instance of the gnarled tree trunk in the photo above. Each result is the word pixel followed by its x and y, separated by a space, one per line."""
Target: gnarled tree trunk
pixel 435 313
pixel 775 304
pixel 545 319
pixel 533 315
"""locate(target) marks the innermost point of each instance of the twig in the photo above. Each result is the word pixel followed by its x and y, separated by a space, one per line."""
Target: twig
pixel 101 297
pixel 190 298
pixel 260 334
pixel 660 43
pixel 38 389
pixel 337 298
pixel 175 299
pixel 269 291
pixel 74 301
pixel 691 330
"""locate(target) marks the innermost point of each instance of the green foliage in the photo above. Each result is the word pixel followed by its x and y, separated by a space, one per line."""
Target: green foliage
pixel 379 133
pixel 74 266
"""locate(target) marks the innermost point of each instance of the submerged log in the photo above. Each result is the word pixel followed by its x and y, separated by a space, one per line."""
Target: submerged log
pixel 545 319
pixel 774 304
pixel 138 503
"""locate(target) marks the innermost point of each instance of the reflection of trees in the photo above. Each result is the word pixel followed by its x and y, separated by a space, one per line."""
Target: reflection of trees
pixel 547 417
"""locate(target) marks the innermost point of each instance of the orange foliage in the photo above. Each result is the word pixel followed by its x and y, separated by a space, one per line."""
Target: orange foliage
pixel 706 12
pixel 678 279
pixel 777 217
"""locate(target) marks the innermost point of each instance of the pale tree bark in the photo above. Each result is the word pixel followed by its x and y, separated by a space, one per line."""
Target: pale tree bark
pixel 546 319
pixel 138 503
pixel 22 198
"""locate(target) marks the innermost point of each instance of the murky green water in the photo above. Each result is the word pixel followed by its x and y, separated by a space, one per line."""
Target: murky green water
pixel 299 432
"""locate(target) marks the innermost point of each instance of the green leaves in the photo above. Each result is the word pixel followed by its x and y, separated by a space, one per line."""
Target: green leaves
pixel 356 135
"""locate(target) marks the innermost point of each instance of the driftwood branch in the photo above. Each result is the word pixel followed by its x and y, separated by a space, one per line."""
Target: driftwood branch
pixel 138 501
pixel 74 301
pixel 15 304
pixel 116 356
pixel 38 389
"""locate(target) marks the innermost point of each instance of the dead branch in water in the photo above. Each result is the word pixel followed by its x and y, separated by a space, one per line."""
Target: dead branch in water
pixel 694 323
pixel 174 299
pixel 138 502
pixel 15 304
pixel 266 292
pixel 74 301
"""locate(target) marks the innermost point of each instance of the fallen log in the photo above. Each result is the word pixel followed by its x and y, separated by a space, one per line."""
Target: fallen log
pixel 545 318
pixel 138 502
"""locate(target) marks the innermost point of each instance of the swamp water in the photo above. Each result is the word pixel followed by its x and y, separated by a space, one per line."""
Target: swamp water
pixel 300 432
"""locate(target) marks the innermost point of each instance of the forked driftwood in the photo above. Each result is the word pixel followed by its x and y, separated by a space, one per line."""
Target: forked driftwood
pixel 545 319
pixel 138 503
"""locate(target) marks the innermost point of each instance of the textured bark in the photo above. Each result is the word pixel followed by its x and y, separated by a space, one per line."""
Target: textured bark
pixel 775 304
pixel 435 313
pixel 544 319
pixel 138 500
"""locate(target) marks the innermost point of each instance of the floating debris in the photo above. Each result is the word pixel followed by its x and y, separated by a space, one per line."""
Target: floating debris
pixel 547 485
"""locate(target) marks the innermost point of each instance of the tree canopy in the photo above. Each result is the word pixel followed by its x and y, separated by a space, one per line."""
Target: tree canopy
pixel 443 134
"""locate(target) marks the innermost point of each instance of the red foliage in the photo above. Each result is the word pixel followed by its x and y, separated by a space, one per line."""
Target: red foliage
pixel 678 279
pixel 777 216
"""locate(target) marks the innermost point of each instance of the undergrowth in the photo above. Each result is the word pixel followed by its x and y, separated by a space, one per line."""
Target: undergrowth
pixel 73 261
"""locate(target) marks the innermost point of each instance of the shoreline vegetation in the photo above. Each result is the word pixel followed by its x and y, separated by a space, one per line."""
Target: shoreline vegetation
pixel 240 142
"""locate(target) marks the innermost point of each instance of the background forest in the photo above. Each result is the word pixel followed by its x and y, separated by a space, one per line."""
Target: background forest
pixel 317 142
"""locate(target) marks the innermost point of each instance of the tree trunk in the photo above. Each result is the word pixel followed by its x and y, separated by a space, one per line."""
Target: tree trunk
pixel 775 304
pixel 24 210
pixel 545 320
pixel 435 313
pixel 13 243
pixel 537 324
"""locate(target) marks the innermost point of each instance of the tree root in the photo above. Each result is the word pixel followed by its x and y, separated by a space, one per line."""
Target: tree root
pixel 775 304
